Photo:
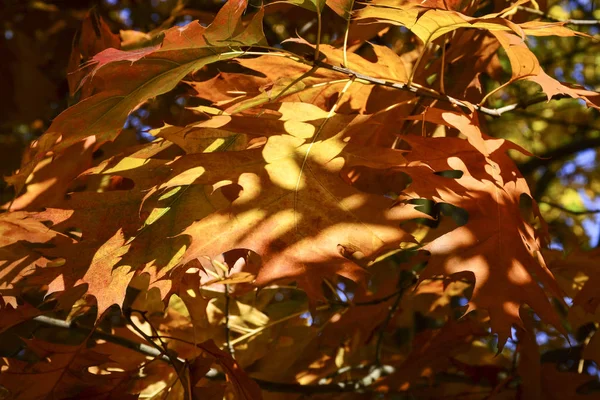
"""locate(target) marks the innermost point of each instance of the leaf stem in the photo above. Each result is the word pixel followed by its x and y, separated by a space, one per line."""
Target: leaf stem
pixel 178 366
pixel 319 23
pixel 443 67
pixel 346 34
pixel 271 324
pixel 230 347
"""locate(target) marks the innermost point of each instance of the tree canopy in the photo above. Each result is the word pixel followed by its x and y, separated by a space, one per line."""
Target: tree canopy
pixel 391 199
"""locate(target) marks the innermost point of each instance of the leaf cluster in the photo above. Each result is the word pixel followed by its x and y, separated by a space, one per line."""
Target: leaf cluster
pixel 229 211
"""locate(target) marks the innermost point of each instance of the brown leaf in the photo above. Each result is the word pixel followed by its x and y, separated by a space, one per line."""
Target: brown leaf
pixel 529 367
pixel 432 350
pixel 11 316
pixel 105 279
pixel 20 234
pixel 94 36
pixel 503 256
pixel 586 262
pixel 150 71
pixel 294 209
pixel 62 371
pixel 243 387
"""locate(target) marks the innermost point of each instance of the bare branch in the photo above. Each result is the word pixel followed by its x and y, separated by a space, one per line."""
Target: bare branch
pixel 566 21
pixel 555 121
pixel 574 212
pixel 557 154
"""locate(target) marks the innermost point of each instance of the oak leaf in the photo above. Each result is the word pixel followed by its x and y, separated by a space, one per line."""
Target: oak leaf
pixel 583 262
pixel 23 236
pixel 93 37
pixel 504 256
pixel 243 387
pixel 290 205
pixel 126 79
pixel 62 371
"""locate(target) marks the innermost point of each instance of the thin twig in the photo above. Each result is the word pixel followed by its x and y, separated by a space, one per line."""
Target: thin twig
pixel 566 21
pixel 386 322
pixel 177 365
pixel 557 154
pixel 127 314
pixel 574 212
pixel 412 88
pixel 141 348
pixel 426 92
pixel 163 345
pixel 582 125
pixel 394 307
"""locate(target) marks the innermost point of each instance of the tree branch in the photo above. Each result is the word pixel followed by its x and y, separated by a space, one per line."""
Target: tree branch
pixel 412 87
pixel 141 348
pixel 388 318
pixel 566 21
pixel 370 302
pixel 558 154
pixel 358 386
pixel 533 115
pixel 404 283
pixel 426 92
pixel 574 212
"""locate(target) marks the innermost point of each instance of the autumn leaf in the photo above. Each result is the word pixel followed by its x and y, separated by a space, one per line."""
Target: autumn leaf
pixel 65 373
pixel 330 209
pixel 343 8
pixel 586 263
pixel 109 283
pixel 506 250
pixel 22 237
pixel 433 24
pixel 153 71
pixel 290 205
pixel 97 258
pixel 11 316
pixel 94 36
pixel 243 387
